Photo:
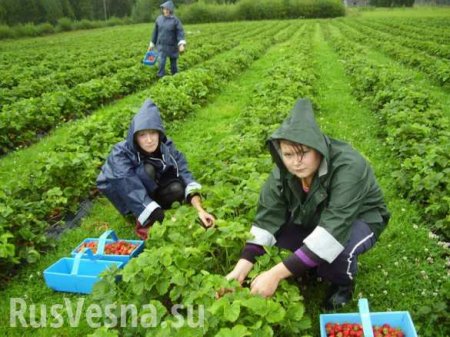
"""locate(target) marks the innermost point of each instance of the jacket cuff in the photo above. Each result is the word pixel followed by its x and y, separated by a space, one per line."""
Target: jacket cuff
pixel 301 260
pixel 191 195
pixel 323 244
pixel 295 265
pixel 251 252
pixel 143 217
pixel 182 42
pixel 191 188
pixel 261 237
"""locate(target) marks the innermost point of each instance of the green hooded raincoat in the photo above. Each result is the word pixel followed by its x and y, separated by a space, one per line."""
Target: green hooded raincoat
pixel 344 189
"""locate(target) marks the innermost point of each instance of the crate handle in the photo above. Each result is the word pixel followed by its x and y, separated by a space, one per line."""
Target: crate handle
pixel 102 240
pixel 77 260
pixel 364 312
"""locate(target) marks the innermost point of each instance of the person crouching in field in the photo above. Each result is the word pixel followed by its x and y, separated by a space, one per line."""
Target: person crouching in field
pixel 168 37
pixel 321 201
pixel 145 173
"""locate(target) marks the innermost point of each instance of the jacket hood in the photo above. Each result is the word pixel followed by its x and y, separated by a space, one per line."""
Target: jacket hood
pixel 148 117
pixel 299 127
pixel 169 5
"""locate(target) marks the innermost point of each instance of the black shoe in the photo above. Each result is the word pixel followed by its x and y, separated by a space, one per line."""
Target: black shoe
pixel 339 296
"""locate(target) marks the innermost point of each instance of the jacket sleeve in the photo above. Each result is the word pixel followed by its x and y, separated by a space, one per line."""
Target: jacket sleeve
pixel 127 184
pixel 180 32
pixel 271 213
pixel 183 170
pixel 155 33
pixel 348 188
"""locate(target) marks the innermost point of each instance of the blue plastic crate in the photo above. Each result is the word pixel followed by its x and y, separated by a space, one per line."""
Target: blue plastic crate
pixel 77 275
pixel 150 58
pixel 109 237
pixel 396 319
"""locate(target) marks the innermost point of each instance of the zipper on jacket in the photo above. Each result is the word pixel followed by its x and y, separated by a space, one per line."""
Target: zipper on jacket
pixel 161 160
pixel 176 164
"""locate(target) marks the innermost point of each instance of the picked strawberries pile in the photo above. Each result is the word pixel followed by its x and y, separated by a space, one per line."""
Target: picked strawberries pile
pixel 354 329
pixel 113 248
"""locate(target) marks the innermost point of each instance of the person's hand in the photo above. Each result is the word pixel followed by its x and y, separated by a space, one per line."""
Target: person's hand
pixel 207 219
pixel 222 291
pixel 265 284
pixel 181 48
pixel 236 275
pixel 151 46
pixel 240 271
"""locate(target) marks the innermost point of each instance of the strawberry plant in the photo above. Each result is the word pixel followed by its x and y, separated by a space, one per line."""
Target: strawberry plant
pixel 414 128
pixel 73 166
pixel 24 121
pixel 186 263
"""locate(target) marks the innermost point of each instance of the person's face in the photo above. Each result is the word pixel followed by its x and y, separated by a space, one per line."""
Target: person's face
pixel 148 140
pixel 166 12
pixel 300 160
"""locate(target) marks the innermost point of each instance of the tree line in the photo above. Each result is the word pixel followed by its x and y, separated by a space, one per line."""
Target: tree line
pixel 13 12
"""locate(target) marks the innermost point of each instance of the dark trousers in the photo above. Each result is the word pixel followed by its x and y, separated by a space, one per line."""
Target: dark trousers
pixel 344 268
pixel 167 190
pixel 162 64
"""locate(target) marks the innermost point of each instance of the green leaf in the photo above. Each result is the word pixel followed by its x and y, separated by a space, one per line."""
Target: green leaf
pixel 295 311
pixel 178 279
pixel 257 305
pixel 275 312
pixel 104 332
pixel 162 286
pixel 138 288
pixel 237 331
pixel 232 313
pixel 219 306
pixel 32 255
pixel 166 260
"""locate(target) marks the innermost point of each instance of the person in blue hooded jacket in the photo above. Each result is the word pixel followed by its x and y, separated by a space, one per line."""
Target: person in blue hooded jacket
pixel 145 173
pixel 168 37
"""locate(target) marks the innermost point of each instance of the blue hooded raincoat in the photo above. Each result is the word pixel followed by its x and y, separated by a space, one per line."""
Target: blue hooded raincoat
pixel 123 178
pixel 168 32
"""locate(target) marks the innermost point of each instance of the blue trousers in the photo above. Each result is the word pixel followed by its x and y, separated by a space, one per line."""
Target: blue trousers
pixel 162 64
pixel 344 268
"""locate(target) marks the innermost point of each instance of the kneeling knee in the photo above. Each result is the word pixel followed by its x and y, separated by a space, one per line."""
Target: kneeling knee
pixel 170 194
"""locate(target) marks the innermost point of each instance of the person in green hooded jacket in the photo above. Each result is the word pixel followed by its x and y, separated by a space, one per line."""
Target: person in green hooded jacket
pixel 321 201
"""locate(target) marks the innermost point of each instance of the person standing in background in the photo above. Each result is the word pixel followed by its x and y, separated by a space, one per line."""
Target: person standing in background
pixel 168 37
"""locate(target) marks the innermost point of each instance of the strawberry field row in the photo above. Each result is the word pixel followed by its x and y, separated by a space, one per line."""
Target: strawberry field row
pixel 185 263
pixel 411 40
pixel 71 59
pixel 22 123
pixel 60 177
pixel 435 68
pixel 415 27
pixel 413 124
pixel 438 25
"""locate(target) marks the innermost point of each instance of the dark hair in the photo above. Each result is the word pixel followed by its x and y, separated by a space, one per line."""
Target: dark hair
pixel 298 148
